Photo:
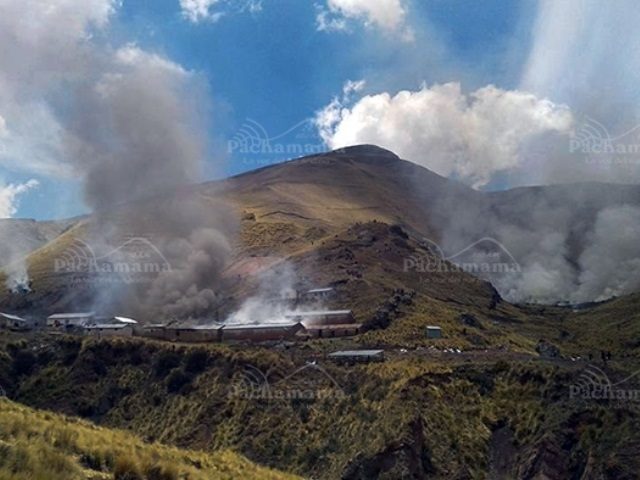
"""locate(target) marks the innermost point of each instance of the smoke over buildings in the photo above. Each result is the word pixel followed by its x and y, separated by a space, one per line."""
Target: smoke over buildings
pixel 130 123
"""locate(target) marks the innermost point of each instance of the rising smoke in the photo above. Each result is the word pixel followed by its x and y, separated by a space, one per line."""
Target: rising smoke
pixel 574 117
pixel 13 246
pixel 274 298
pixel 130 123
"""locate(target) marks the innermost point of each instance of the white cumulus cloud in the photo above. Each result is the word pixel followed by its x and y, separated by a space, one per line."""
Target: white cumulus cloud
pixel 469 136
pixel 212 10
pixel 388 15
pixel 9 196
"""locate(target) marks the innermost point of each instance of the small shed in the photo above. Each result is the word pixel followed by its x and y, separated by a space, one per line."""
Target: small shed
pixel 433 331
pixel 61 320
pixel 318 294
pixel 109 330
pixel 13 322
pixel 357 356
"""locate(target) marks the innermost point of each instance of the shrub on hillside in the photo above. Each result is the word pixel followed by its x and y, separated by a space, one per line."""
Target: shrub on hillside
pixel 165 362
pixel 23 362
pixel 196 361
pixel 177 380
pixel 126 469
pixel 158 472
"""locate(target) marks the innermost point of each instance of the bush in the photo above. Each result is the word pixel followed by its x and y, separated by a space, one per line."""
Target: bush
pixel 92 460
pixel 196 361
pixel 158 472
pixel 177 380
pixel 165 362
pixel 23 362
pixel 126 469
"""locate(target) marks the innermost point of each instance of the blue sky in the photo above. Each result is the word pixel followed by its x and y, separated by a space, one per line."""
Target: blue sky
pixel 274 66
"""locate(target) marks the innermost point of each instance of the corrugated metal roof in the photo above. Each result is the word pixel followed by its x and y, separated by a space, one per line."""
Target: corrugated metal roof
pixel 71 315
pixel 356 353
pixel 336 326
pixel 106 326
pixel 125 320
pixel 12 317
pixel 194 327
pixel 320 290
pixel 318 313
pixel 253 326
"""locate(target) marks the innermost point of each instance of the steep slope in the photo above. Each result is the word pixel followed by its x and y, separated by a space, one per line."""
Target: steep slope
pixel 36 445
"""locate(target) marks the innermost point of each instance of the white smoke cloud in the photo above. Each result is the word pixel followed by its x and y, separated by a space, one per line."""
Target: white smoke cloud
pixel 472 137
pixel 9 197
pixel 130 123
pixel 44 45
pixel 271 303
pixel 611 262
pixel 13 251
pixel 387 15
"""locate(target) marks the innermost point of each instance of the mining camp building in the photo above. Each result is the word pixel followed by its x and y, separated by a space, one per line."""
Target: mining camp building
pixel 260 332
pixel 193 333
pixel 109 330
pixel 327 323
pixel 61 320
pixel 13 322
pixel 317 294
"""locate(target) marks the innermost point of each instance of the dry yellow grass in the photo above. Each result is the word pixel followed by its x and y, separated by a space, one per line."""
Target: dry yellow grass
pixel 37 445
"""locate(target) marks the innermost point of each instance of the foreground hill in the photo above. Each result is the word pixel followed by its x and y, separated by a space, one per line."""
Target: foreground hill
pixel 36 445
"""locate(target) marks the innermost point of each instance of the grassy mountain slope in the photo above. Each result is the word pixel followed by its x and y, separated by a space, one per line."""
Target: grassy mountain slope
pixel 415 416
pixel 37 445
